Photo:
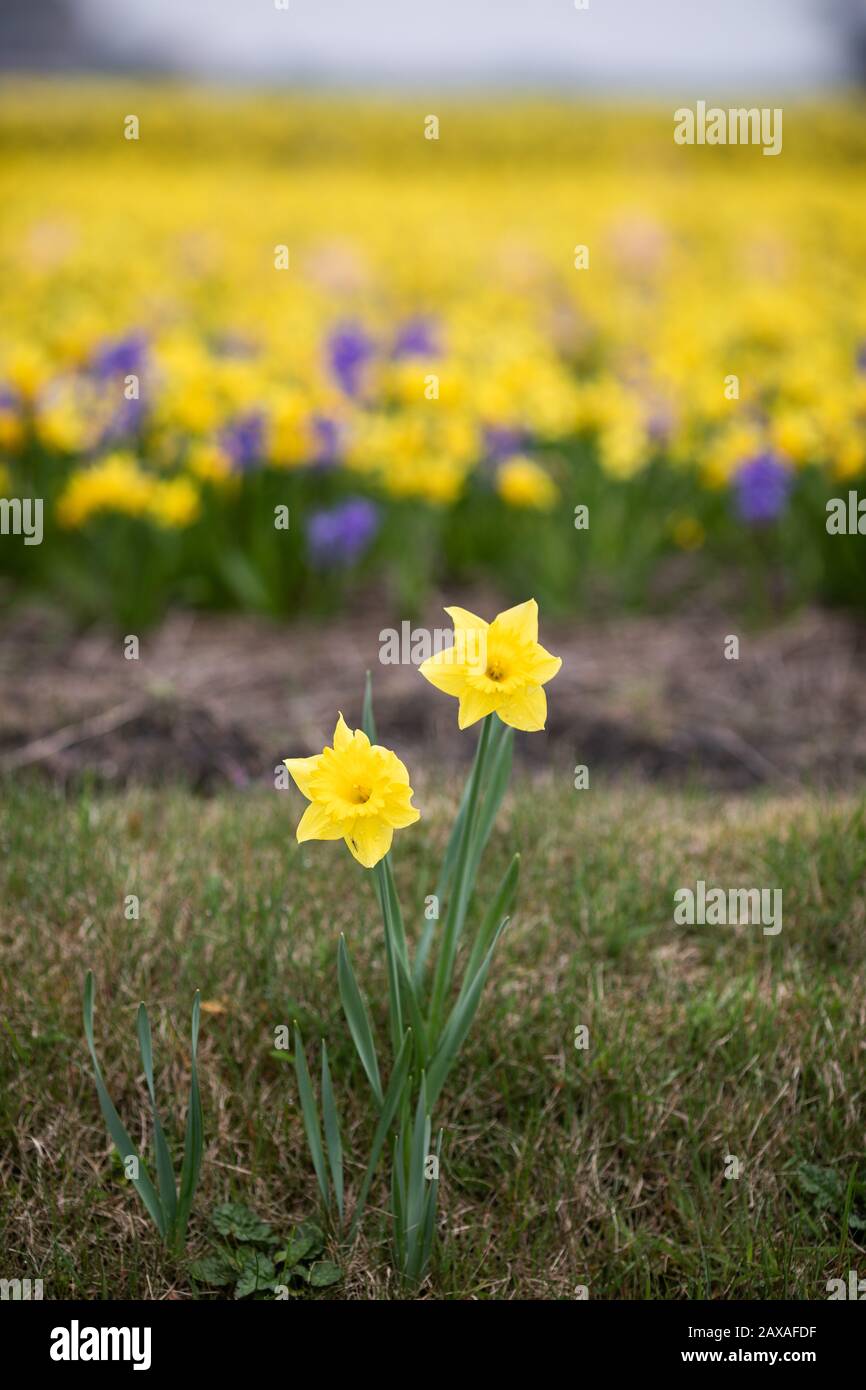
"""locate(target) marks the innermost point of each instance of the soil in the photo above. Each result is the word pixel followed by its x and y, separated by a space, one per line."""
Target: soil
pixel 216 699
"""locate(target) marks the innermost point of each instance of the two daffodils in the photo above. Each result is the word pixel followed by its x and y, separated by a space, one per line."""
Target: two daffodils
pixel 359 791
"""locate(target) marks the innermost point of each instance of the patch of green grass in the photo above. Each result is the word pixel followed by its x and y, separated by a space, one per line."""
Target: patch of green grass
pixel 602 1167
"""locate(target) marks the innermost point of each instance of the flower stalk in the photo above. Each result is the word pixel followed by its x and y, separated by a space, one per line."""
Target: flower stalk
pixel 359 791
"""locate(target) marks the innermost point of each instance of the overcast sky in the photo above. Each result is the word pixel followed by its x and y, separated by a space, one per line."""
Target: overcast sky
pixel 645 44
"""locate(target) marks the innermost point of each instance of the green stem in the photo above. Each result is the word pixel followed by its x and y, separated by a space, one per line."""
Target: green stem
pixel 459 890
pixel 395 1012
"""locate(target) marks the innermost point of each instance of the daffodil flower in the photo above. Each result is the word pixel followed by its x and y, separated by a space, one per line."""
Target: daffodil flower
pixel 496 667
pixel 358 792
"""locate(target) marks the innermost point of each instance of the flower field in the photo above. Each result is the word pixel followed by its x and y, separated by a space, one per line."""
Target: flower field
pixel 349 955
pixel 276 348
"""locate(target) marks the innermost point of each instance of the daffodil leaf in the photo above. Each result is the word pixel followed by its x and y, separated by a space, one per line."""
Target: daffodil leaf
pixel 368 722
pixel 310 1112
pixel 193 1143
pixel 457 1026
pixel 124 1145
pixel 358 1019
pixel 332 1131
pixel 164 1166
pixel 393 1095
pixel 417 1184
pixel 499 910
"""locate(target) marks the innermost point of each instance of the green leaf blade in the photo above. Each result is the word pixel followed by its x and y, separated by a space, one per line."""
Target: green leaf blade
pixel 393 1097
pixel 193 1144
pixel 164 1166
pixel 121 1140
pixel 333 1142
pixel 358 1020
pixel 310 1113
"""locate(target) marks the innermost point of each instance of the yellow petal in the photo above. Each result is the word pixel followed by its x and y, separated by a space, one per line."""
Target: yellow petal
pixel 302 769
pixel 527 710
pixel 394 768
pixel 544 665
pixel 342 734
pixel 474 705
pixel 317 824
pixel 369 840
pixel 401 816
pixel 445 671
pixel 521 620
pixel 464 621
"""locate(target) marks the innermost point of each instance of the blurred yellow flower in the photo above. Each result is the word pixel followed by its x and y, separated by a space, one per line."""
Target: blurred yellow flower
pixel 175 502
pixel 522 483
pixel 115 484
pixel 209 463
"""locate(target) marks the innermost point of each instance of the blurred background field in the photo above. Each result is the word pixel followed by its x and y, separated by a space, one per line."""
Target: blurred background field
pixel 431 387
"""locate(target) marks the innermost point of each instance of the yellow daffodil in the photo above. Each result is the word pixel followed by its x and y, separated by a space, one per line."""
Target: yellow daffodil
pixel 114 484
pixel 175 503
pixel 522 483
pixel 358 792
pixel 495 667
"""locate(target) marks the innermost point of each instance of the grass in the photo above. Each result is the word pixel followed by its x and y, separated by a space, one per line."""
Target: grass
pixel 602 1168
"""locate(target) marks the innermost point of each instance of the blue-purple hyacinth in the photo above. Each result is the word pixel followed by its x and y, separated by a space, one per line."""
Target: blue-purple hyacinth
pixel 327 441
pixel 126 421
pixel 349 350
pixel 416 337
pixel 120 356
pixel 761 487
pixel 502 442
pixel 243 439
pixel 339 536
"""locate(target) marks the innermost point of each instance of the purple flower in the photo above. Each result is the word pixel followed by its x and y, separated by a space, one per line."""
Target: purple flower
pixel 243 440
pixel 861 358
pixel 340 535
pixel 125 421
pixel 761 487
pixel 504 441
pixel 416 338
pixel 120 356
pixel 660 423
pixel 349 350
pixel 326 433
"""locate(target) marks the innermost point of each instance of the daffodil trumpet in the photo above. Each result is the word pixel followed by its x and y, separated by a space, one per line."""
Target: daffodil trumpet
pixel 359 791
